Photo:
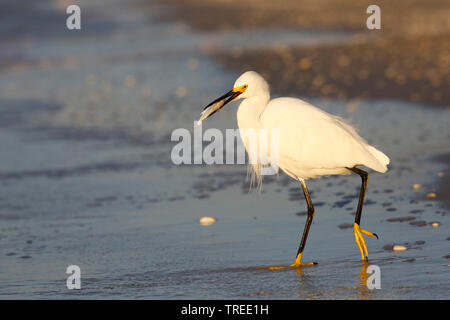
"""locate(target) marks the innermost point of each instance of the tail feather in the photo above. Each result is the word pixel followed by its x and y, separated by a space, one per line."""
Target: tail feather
pixel 382 159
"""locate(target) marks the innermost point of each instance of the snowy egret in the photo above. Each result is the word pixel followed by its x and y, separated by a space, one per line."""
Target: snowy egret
pixel 312 143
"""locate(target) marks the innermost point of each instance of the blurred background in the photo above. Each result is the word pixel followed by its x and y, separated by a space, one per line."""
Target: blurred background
pixel 86 176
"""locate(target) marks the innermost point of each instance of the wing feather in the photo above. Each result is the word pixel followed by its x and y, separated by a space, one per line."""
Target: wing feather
pixel 315 139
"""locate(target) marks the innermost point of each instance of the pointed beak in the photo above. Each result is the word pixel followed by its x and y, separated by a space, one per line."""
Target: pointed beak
pixel 219 103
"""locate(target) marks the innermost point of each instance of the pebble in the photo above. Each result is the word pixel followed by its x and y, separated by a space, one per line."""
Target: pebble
pixel 417 186
pixel 130 80
pixel 399 248
pixel 181 92
pixel 236 52
pixel 206 221
pixel 431 195
pixel 193 63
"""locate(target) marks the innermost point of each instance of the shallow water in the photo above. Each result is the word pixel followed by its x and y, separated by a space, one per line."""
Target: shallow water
pixel 86 178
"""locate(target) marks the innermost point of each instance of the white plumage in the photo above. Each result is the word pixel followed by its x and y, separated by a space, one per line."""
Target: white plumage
pixel 312 142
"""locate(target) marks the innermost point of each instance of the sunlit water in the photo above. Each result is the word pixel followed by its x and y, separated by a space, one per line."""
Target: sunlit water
pixel 86 177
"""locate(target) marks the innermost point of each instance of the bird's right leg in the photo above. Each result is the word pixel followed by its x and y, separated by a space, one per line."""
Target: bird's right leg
pixel 356 228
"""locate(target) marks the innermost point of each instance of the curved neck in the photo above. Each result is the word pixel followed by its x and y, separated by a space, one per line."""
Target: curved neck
pixel 250 110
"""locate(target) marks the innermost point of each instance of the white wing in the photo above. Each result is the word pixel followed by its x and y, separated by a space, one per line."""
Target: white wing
pixel 315 139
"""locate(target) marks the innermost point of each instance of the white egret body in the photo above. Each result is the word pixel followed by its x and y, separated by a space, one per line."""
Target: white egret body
pixel 312 142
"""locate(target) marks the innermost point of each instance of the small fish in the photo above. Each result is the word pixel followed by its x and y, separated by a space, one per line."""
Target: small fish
pixel 219 103
pixel 210 109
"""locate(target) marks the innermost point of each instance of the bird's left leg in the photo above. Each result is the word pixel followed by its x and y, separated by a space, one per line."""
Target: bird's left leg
pixel 298 259
pixel 356 228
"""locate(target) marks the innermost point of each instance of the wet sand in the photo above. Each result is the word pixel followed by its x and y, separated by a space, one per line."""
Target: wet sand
pixel 414 69
pixel 407 59
pixel 87 177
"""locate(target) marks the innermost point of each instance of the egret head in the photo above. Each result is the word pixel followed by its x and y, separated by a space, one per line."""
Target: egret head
pixel 248 85
pixel 254 84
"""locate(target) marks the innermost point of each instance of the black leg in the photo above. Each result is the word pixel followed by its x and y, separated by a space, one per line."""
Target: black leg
pixel 364 181
pixel 356 228
pixel 309 219
pixel 298 259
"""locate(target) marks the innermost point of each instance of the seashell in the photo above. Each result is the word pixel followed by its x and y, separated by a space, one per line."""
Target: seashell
pixel 399 248
pixel 206 221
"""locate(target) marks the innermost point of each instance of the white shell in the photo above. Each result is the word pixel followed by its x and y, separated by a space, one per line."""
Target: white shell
pixel 206 221
pixel 399 248
pixel 435 224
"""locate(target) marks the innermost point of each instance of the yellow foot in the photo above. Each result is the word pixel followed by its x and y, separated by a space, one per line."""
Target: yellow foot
pixel 360 240
pixel 297 264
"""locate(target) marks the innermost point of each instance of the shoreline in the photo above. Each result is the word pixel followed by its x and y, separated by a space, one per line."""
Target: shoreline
pixel 409 62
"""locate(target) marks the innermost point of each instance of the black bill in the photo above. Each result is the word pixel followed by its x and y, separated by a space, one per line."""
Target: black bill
pixel 218 104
